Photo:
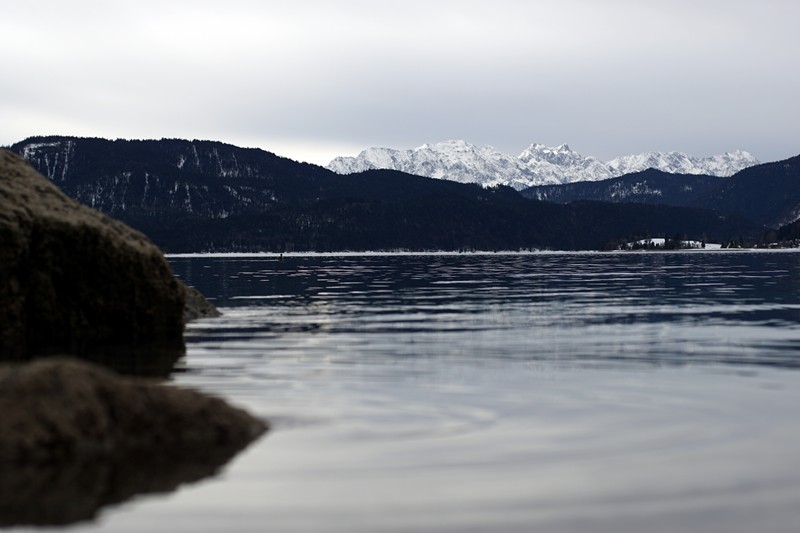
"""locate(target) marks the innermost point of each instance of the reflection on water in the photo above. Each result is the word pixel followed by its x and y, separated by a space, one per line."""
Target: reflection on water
pixel 545 392
pixel 62 494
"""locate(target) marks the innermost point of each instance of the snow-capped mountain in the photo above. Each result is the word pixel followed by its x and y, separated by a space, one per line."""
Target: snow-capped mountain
pixel 722 165
pixel 536 165
pixel 453 160
pixel 562 165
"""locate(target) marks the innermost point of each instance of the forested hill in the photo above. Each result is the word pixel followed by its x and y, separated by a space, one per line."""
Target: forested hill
pixel 210 196
pixel 169 177
pixel 647 187
pixel 768 194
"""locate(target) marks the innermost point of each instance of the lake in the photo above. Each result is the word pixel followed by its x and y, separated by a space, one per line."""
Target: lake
pixel 558 392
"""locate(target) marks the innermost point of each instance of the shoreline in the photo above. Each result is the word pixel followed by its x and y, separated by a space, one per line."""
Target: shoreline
pixel 401 253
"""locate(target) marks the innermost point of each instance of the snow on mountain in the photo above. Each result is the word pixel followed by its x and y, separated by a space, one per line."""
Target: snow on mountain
pixel 537 165
pixel 454 160
pixel 562 165
pixel 723 165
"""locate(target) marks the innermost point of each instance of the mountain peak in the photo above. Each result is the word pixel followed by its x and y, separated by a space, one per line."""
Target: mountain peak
pixel 538 147
pixel 449 145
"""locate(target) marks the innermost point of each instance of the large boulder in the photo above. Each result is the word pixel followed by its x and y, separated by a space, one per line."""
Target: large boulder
pixel 60 409
pixel 73 280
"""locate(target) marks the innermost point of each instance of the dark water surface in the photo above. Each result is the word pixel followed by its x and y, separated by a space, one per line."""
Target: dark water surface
pixel 542 392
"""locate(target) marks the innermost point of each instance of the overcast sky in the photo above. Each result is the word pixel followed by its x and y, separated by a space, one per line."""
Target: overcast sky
pixel 315 79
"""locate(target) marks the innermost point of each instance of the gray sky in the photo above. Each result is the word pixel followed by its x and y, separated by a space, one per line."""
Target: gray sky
pixel 315 79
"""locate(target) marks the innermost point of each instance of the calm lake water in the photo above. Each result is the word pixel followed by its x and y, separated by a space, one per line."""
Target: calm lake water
pixel 542 392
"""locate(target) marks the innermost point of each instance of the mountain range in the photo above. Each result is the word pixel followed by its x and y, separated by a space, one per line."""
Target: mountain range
pixel 537 165
pixel 768 194
pixel 191 196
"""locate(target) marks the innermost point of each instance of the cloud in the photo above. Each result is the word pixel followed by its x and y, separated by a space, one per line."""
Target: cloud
pixel 608 77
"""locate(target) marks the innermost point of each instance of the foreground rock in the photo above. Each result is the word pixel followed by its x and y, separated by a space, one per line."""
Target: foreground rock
pixel 73 280
pixel 75 437
pixel 58 409
pixel 197 306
